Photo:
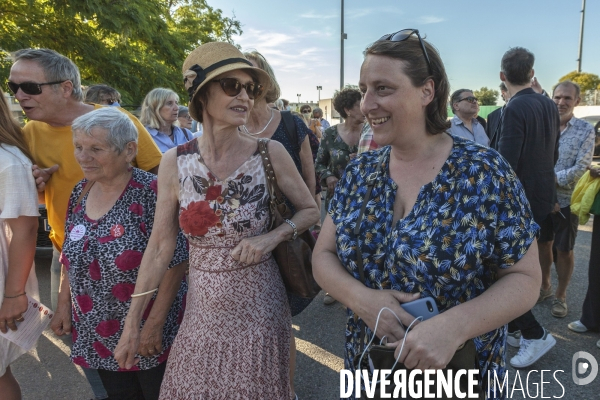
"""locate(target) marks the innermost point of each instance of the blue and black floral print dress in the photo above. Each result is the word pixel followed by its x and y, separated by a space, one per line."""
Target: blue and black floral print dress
pixel 471 219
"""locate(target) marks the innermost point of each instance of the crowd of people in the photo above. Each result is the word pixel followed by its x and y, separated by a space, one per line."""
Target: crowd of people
pixel 162 271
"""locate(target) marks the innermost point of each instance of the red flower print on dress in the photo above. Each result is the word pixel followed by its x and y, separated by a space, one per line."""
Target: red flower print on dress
pixel 81 362
pixel 64 261
pixel 143 228
pixel 128 260
pixel 135 184
pixel 197 218
pixel 154 186
pixel 136 209
pixel 106 239
pixel 213 192
pixel 85 303
pixel 147 310
pixel 101 349
pixel 108 328
pixel 73 334
pixel 95 270
pixel 123 291
pixel 75 315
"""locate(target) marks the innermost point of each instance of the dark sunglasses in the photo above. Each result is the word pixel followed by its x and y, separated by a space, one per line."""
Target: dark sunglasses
pixel 470 99
pixel 30 87
pixel 404 34
pixel 232 87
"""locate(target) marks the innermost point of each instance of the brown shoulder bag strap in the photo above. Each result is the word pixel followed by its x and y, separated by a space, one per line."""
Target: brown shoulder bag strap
pixel 274 191
pixel 85 190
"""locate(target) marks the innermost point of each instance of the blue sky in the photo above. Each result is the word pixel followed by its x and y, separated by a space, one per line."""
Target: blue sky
pixel 301 39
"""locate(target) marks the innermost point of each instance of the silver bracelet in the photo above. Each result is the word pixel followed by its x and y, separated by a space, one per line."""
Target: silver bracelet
pixel 293 225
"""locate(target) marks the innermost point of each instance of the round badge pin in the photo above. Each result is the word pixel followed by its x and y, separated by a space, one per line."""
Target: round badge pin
pixel 117 231
pixel 77 233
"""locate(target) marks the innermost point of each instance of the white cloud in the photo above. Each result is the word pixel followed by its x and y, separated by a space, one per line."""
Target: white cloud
pixel 430 19
pixel 316 15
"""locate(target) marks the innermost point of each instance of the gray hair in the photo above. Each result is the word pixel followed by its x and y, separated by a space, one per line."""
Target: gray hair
pixel 572 84
pixel 119 126
pixel 183 110
pixel 56 67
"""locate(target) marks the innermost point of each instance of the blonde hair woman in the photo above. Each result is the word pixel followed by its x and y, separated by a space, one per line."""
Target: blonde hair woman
pixel 160 112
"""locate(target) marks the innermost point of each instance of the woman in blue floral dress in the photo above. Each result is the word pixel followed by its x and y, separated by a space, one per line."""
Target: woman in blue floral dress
pixel 446 218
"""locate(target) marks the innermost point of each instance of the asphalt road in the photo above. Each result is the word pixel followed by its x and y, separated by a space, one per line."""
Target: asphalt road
pixel 47 373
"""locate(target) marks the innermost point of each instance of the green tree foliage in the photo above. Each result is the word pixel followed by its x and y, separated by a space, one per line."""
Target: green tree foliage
pixel 586 81
pixel 132 45
pixel 486 97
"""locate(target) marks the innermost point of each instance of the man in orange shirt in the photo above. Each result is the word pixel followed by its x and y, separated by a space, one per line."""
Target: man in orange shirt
pixel 48 87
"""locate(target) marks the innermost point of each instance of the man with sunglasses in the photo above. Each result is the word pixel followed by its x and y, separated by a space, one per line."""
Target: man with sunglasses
pixel 528 139
pixel 464 122
pixel 48 88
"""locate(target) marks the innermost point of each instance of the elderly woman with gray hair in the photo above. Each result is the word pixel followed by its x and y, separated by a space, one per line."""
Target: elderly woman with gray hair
pixel 110 217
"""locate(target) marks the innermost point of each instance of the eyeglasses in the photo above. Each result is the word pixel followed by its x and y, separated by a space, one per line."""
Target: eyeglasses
pixel 186 116
pixel 232 87
pixel 110 102
pixel 470 99
pixel 30 88
pixel 305 111
pixel 404 34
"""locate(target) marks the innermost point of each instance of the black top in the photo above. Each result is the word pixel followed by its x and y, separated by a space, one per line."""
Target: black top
pixel 528 139
pixel 282 136
pixel 493 119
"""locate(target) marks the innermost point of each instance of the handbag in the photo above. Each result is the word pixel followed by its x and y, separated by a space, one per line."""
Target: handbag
pixel 381 356
pixel 292 256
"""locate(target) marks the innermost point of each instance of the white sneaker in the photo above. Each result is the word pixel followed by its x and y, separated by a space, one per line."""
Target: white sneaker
pixel 577 326
pixel 514 339
pixel 532 350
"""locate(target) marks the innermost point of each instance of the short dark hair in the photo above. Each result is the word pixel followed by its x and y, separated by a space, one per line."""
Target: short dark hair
pixel 456 96
pixel 345 99
pixel 569 83
pixel 415 67
pixel 503 87
pixel 517 64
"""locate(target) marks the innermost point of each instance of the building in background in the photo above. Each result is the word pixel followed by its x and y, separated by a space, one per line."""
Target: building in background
pixel 15 108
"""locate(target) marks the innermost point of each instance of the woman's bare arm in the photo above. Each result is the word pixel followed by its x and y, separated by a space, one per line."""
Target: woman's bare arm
pixel 251 250
pixel 21 252
pixel 158 255
pixel 515 292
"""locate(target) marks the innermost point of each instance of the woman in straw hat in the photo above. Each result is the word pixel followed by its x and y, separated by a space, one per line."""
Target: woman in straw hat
pixel 235 336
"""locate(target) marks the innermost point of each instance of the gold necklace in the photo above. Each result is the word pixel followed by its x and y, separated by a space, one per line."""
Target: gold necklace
pixel 263 129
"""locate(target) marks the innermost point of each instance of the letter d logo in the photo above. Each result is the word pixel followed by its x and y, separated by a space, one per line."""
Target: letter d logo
pixel 583 367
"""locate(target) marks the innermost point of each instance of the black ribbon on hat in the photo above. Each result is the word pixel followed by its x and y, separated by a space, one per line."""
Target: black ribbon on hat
pixel 202 72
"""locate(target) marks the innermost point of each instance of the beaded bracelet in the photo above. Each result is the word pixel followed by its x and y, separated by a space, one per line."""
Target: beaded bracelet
pixel 14 297
pixel 293 225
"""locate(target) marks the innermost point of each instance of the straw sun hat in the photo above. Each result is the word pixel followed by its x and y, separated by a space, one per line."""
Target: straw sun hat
pixel 210 60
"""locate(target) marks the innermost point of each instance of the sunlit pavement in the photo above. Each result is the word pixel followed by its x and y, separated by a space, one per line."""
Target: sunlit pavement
pixel 47 373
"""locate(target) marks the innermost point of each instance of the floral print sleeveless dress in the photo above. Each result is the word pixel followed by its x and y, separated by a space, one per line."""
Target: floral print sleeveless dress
pixel 234 340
